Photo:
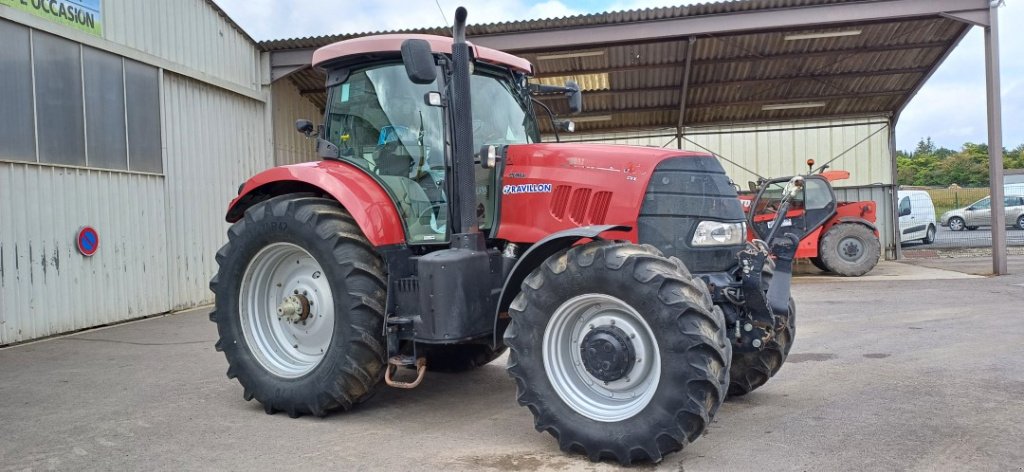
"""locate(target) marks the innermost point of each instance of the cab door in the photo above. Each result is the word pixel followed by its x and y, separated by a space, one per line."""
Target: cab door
pixel 811 208
pixel 908 229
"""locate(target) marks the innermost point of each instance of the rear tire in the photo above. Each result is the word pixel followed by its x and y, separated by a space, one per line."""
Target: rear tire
pixel 345 282
pixel 819 264
pixel 929 236
pixel 454 358
pixel 667 397
pixel 751 370
pixel 850 249
pixel 972 228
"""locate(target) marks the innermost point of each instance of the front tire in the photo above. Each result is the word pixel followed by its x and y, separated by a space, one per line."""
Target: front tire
pixel 1020 222
pixel 929 236
pixel 956 224
pixel 618 352
pixel 300 295
pixel 850 249
pixel 751 370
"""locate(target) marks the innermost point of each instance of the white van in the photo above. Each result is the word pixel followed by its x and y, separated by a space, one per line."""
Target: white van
pixel 917 216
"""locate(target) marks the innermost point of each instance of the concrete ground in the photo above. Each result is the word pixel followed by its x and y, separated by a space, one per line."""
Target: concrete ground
pixel 897 372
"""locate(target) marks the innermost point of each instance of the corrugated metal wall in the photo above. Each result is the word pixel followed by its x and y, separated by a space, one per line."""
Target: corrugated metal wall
pixel 290 147
pixel 776 149
pixel 46 286
pixel 779 149
pixel 213 141
pixel 158 232
pixel 186 32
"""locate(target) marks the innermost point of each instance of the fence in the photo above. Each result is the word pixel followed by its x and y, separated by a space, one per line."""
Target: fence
pixel 962 218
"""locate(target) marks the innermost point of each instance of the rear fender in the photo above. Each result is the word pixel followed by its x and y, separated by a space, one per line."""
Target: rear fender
pixel 533 257
pixel 854 219
pixel 359 193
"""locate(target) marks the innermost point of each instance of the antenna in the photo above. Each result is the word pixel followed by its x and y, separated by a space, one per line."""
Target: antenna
pixel 438 3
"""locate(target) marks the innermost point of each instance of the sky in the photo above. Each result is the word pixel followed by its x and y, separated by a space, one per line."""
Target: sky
pixel 950 108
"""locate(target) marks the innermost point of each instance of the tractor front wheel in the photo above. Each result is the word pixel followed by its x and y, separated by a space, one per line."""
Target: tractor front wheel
pixel 300 299
pixel 618 351
pixel 850 249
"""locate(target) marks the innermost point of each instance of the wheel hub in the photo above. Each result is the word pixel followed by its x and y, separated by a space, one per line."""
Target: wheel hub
pixel 850 249
pixel 607 353
pixel 294 308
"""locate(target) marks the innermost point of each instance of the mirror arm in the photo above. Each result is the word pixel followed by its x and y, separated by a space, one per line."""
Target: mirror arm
pixel 551 115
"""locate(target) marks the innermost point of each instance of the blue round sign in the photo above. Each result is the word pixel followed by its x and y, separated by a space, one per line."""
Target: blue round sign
pixel 88 241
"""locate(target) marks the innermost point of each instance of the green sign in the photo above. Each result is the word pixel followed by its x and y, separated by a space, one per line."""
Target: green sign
pixel 84 15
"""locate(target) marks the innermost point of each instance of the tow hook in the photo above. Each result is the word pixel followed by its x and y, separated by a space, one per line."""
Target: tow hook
pixel 395 362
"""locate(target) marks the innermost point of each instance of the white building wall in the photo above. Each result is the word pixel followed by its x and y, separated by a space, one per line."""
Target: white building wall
pixel 213 141
pixel 189 33
pixel 46 286
pixel 159 233
pixel 290 147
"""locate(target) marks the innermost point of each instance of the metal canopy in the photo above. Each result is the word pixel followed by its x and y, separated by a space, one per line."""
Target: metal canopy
pixel 754 60
pixel 734 62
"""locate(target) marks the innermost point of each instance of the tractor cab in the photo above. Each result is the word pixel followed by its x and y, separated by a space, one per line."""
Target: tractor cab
pixel 397 130
pixel 811 207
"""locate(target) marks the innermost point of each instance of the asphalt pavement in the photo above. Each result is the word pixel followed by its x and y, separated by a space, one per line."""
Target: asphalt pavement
pixel 885 374
pixel 981 237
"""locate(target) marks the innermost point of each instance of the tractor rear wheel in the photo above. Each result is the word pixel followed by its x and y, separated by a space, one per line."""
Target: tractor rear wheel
pixel 300 299
pixel 849 249
pixel 618 351
pixel 751 370
pixel 453 358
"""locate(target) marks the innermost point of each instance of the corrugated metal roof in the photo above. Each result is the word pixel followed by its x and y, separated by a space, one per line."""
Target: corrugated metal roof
pixel 733 75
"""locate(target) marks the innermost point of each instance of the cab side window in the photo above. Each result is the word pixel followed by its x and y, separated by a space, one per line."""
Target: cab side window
pixel 904 206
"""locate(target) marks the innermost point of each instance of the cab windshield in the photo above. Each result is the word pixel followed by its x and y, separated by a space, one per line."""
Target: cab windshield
pixel 380 121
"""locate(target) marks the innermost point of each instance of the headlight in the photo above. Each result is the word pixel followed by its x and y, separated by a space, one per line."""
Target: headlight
pixel 716 233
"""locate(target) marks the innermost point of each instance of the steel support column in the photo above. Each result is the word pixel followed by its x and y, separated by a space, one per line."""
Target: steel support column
pixel 995 141
pixel 684 91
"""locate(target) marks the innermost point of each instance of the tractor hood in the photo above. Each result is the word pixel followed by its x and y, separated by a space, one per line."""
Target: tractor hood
pixel 662 194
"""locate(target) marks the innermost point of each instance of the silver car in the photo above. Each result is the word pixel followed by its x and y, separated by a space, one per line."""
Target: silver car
pixel 979 213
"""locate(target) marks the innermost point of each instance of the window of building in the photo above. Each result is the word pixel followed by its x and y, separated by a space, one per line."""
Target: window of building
pixel 17 120
pixel 68 104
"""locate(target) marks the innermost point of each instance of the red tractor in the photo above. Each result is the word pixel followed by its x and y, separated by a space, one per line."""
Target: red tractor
pixel 437 232
pixel 838 237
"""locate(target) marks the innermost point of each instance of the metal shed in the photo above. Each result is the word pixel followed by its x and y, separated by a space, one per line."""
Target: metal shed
pixel 781 80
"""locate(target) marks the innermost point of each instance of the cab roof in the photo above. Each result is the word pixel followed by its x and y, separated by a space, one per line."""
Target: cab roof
pixel 392 43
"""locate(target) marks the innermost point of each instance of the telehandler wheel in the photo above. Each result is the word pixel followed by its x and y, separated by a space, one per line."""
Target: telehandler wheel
pixel 751 370
pixel 849 249
pixel 618 352
pixel 819 264
pixel 300 299
pixel 456 358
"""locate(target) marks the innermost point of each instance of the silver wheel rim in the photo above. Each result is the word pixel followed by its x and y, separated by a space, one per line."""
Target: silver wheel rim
pixel 956 225
pixel 286 347
pixel 587 395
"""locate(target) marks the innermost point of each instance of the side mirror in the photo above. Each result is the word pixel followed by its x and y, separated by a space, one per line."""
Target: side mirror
pixel 575 97
pixel 305 127
pixel 752 186
pixel 905 212
pixel 565 125
pixel 970 208
pixel 419 61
